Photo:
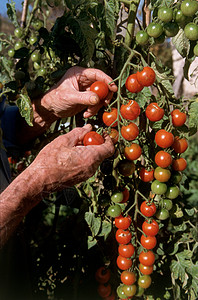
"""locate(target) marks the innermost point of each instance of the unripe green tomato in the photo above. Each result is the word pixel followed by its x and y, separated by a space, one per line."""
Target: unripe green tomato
pixel 195 50
pixel 191 31
pixel 171 29
pixel 18 32
pixel 121 293
pixel 37 24
pixel 117 197
pixel 140 291
pixel 11 52
pixel 37 66
pixel 50 54
pixel 189 7
pixel 167 204
pixel 36 57
pixel 154 29
pixel 142 37
pixel 42 72
pixel 162 214
pixel 18 45
pixel 179 16
pixel 158 187
pixel 172 192
pixel 165 14
pixel 129 290
pixel 33 39
pixel 114 211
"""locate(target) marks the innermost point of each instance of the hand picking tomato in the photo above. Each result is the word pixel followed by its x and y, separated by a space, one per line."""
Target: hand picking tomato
pixel 100 88
pixel 146 77
pixel 130 111
pixel 93 138
pixel 133 85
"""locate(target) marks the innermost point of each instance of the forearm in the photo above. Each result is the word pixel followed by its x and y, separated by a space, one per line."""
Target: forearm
pixel 17 200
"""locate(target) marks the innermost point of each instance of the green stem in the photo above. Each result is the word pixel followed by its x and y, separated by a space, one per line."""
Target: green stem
pixel 131 21
pixel 36 3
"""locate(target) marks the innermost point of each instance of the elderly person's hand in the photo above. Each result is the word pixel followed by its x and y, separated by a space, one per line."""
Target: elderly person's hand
pixel 72 93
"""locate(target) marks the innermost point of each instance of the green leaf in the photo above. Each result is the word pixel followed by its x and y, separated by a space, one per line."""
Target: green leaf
pixel 11 12
pixel 193 113
pixel 91 242
pixel 25 106
pixel 109 15
pixel 163 76
pixel 181 43
pixel 93 222
pixel 143 96
pixel 190 211
pixel 106 229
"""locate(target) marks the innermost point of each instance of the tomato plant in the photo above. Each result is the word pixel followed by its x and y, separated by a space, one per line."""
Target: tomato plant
pixel 93 138
pixel 158 187
pixel 179 164
pixel 104 290
pixel 178 117
pixel 161 174
pixel 102 275
pixel 123 263
pixel 180 145
pixel 129 290
pixel 162 214
pixel 100 88
pixel 117 197
pixel 191 31
pixel 165 14
pixel 126 167
pixel 123 236
pixel 144 281
pixel 142 37
pixel 146 175
pixel 146 270
pixel 154 29
pixel 189 7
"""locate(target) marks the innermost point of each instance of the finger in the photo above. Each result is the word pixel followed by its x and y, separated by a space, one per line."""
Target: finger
pixel 75 136
pixel 86 98
pixel 106 149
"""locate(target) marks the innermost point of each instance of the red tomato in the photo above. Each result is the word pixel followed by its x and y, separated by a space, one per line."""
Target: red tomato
pixel 179 164
pixel 123 222
pixel 130 111
pixel 102 275
pixel 126 250
pixel 130 132
pixel 148 242
pixel 123 236
pixel 128 277
pixel 93 138
pixel 154 112
pixel 146 77
pixel 123 263
pixel 163 159
pixel 147 258
pixel 110 117
pixel 164 138
pixel 125 195
pixel 100 88
pixel 150 229
pixel 104 290
pixel 148 209
pixel 146 270
pixel 180 145
pixel 114 135
pixel 132 84
pixel 178 118
pixel 133 152
pixel 146 176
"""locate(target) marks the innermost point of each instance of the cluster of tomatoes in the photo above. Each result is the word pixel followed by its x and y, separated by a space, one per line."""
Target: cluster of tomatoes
pixel 168 20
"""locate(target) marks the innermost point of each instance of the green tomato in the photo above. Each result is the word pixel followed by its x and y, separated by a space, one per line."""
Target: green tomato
pixel 33 39
pixel 165 14
pixel 195 50
pixel 139 292
pixel 18 32
pixel 42 72
pixel 37 66
pixel 167 204
pixel 36 57
pixel 114 211
pixel 162 214
pixel 117 197
pixel 37 24
pixel 144 281
pixel 171 29
pixel 129 290
pixel 189 7
pixel 158 187
pixel 121 293
pixel 142 37
pixel 154 29
pixel 172 192
pixel 11 52
pixel 191 31
pixel 179 16
pixel 18 45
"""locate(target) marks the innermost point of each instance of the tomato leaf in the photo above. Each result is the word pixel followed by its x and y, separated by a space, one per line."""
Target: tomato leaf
pixel 111 10
pixel 93 222
pixel 181 43
pixel 193 120
pixel 25 106
pixel 91 242
pixel 11 12
pixel 106 229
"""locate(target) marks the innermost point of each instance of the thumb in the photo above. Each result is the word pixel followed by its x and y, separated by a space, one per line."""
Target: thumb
pixel 87 98
pixel 77 134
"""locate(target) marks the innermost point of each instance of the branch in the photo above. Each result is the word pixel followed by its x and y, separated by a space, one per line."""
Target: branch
pixel 24 13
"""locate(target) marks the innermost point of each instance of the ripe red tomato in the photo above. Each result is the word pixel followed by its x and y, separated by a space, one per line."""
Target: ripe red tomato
pixel 110 117
pixel 163 159
pixel 123 236
pixel 133 152
pixel 146 77
pixel 93 138
pixel 104 290
pixel 179 164
pixel 130 132
pixel 161 174
pixel 150 229
pixel 128 277
pixel 146 175
pixel 100 88
pixel 148 209
pixel 146 270
pixel 102 275
pixel 123 222
pixel 154 112
pixel 114 135
pixel 148 242
pixel 164 138
pixel 126 250
pixel 178 118
pixel 125 195
pixel 130 111
pixel 147 258
pixel 180 145
pixel 133 85
pixel 123 263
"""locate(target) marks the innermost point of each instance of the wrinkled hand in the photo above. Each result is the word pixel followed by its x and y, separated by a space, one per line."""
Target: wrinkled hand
pixel 72 93
pixel 65 161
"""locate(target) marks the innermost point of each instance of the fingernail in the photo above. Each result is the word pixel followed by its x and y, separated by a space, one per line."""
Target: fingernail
pixel 93 100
